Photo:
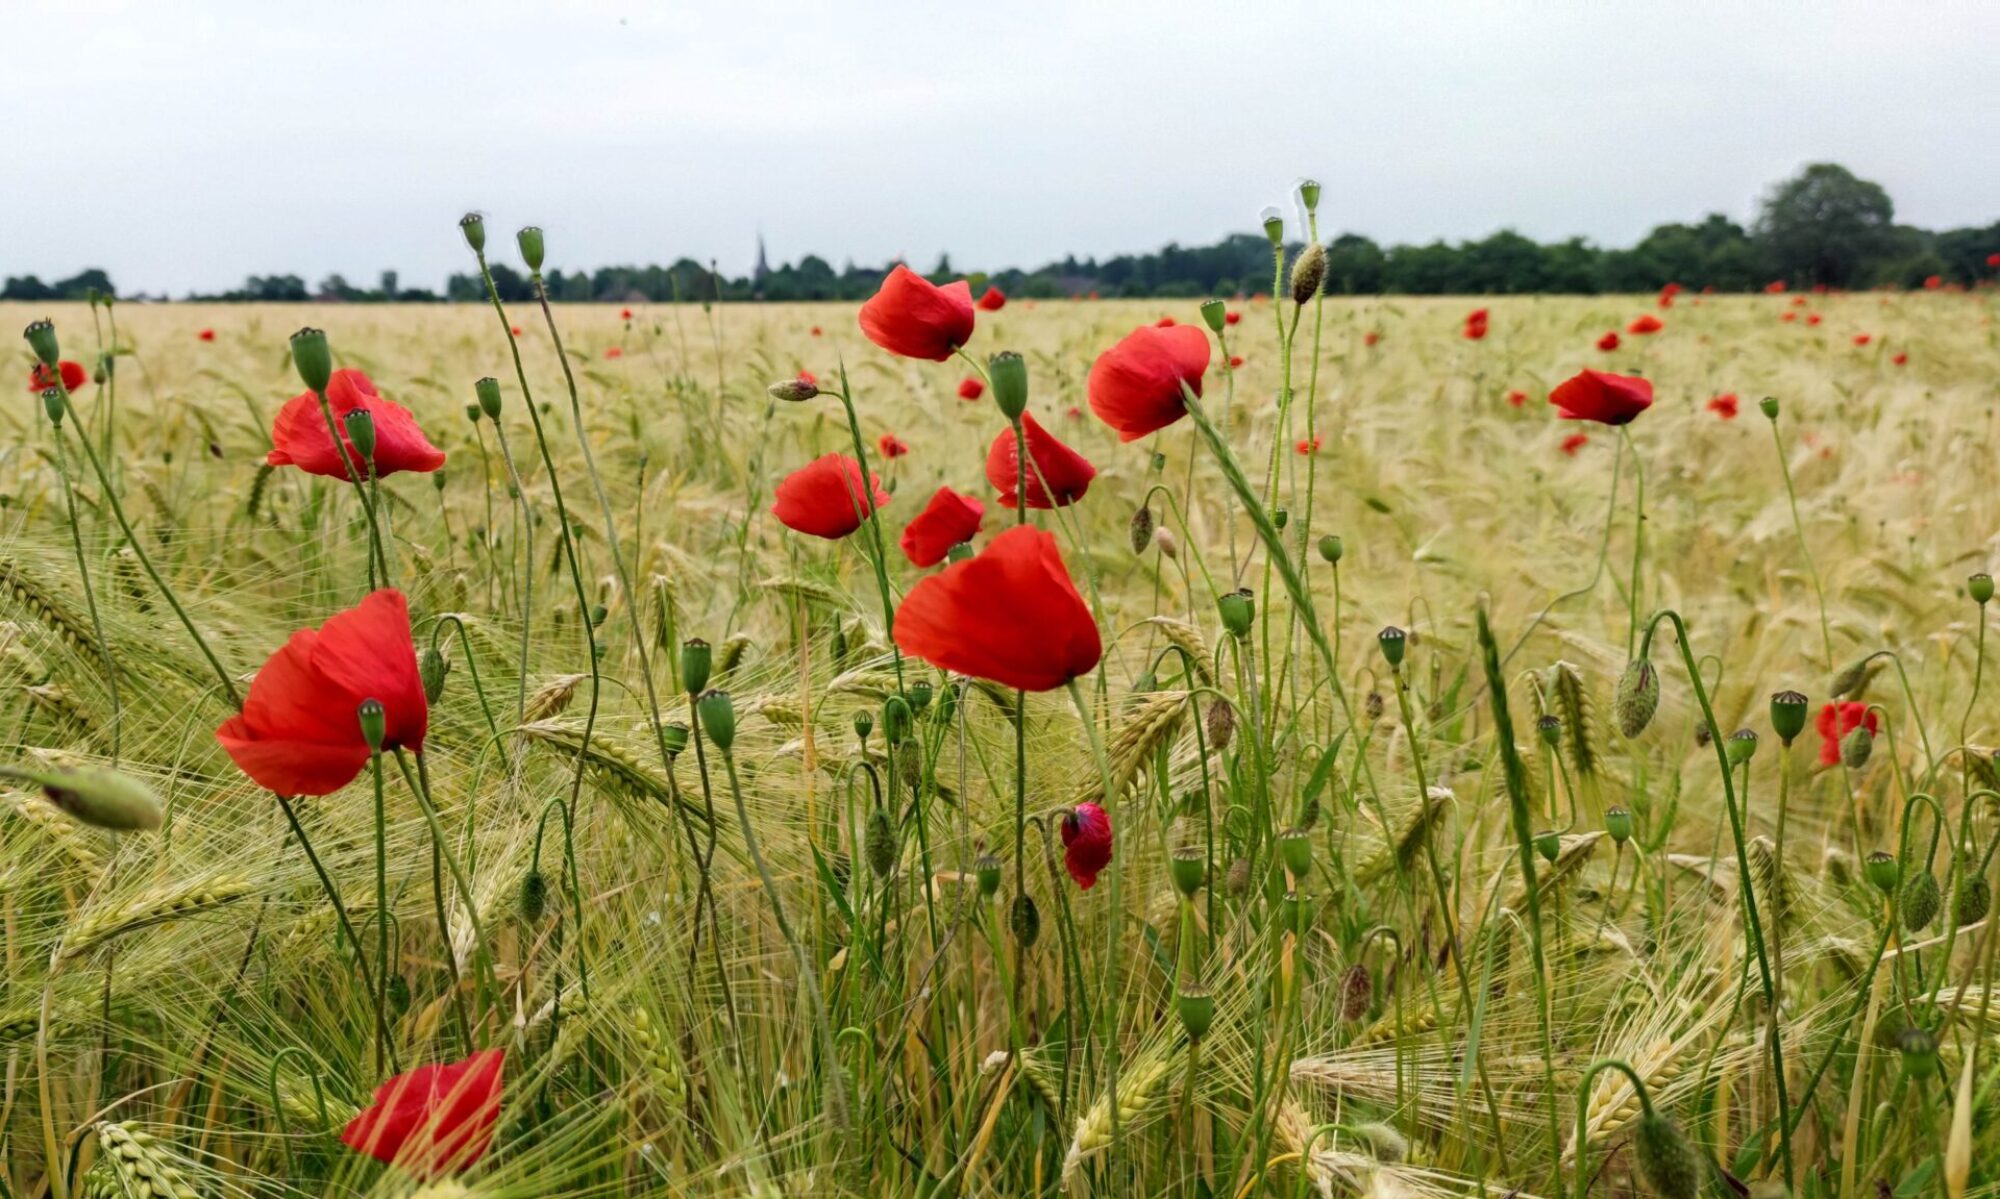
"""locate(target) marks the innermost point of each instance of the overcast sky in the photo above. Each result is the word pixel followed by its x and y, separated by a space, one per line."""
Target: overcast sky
pixel 185 144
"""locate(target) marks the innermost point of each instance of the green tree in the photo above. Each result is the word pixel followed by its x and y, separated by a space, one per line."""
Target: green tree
pixel 1826 226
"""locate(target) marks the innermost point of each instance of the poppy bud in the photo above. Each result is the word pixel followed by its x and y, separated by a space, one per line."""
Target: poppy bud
pixel 399 994
pixel 1187 867
pixel 675 737
pixel 1281 517
pixel 1373 704
pixel 374 723
pixel 1618 823
pixel 1666 1159
pixel 54 404
pixel 473 226
pixel 1309 194
pixel 1548 843
pixel 895 719
pixel 1919 1050
pixel 718 718
pixel 533 901
pixel 1196 1009
pixel 598 615
pixel 41 336
pixel 1741 746
pixel 1980 586
pixel 1308 272
pixel 98 797
pixel 313 359
pixel 1920 900
pixel 1550 729
pixel 987 868
pixel 102 371
pixel 1854 747
pixel 1141 529
pixel 1637 697
pixel 472 413
pixel 1850 680
pixel 488 391
pixel 1237 879
pixel 1274 226
pixel 1331 549
pixel 360 426
pixel 1768 406
pixel 1357 992
pixel 1788 715
pixel 696 661
pixel 1238 610
pixel 1214 314
pixel 1975 896
pixel 1024 920
pixel 879 842
pixel 529 239
pixel 793 391
pixel 1309 813
pixel 1296 850
pixel 1883 871
pixel 1009 375
pixel 431 668
pixel 437 477
pixel 1169 544
pixel 864 724
pixel 1221 722
pixel 1393 642
pixel 920 696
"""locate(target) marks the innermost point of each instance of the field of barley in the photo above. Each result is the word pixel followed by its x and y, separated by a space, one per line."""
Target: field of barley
pixel 1366 782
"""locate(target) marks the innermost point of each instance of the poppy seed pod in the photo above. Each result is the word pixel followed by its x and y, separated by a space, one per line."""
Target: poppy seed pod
pixel 1741 746
pixel 1788 715
pixel 1855 747
pixel 360 426
pixel 1274 226
pixel 987 871
pixel 675 737
pixel 793 391
pixel 1296 850
pixel 1214 314
pixel 1550 729
pixel 1393 642
pixel 41 338
pixel 54 403
pixel 1141 528
pixel 1024 920
pixel 1293 912
pixel 473 226
pixel 98 797
pixel 718 718
pixel 1980 587
pixel 1920 900
pixel 895 720
pixel 313 358
pixel 1618 823
pixel 1666 1159
pixel 879 842
pixel 1637 697
pixel 472 413
pixel 488 392
pixel 1188 868
pixel 864 724
pixel 529 239
pixel 533 900
pixel 919 693
pixel 697 659
pixel 431 669
pixel 1008 373
pixel 1238 610
pixel 374 723
pixel 1768 406
pixel 1918 1047
pixel 1196 1009
pixel 1308 272
pixel 1331 550
pixel 1883 871
pixel 1357 992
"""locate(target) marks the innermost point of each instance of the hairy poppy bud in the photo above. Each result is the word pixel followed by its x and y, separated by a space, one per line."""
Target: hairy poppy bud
pixel 1308 272
pixel 958 553
pixel 374 723
pixel 41 337
pixel 1295 848
pixel 1618 823
pixel 529 239
pixel 1281 517
pixel 1169 544
pixel 54 403
pixel 1883 871
pixel 1214 314
pixel 1188 867
pixel 718 718
pixel 1008 372
pixel 1637 697
pixel 696 662
pixel 864 724
pixel 1788 715
pixel 675 737
pixel 488 392
pixel 431 669
pixel 793 391
pixel 1393 641
pixel 1236 880
pixel 895 719
pixel 313 359
pixel 98 797
pixel 360 426
pixel 1980 587
pixel 1548 843
pixel 1331 549
pixel 398 988
pixel 473 226
pixel 1920 900
pixel 1666 1159
pixel 1975 896
pixel 1357 992
pixel 1550 728
pixel 533 901
pixel 987 871
pixel 1024 920
pixel 879 842
pixel 1373 704
pixel 1220 725
pixel 1768 406
pixel 1855 747
pixel 1238 610
pixel 1141 529
pixel 1851 678
pixel 1741 746
pixel 1274 226
pixel 1196 1009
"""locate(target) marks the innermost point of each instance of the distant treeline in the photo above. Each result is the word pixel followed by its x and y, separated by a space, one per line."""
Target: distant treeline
pixel 1823 227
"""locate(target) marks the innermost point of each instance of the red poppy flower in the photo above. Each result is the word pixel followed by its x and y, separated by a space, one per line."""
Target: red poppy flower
pixel 1517 398
pixel 72 374
pixel 1668 293
pixel 624 314
pixel 1235 360
pixel 1086 836
pixel 1608 342
pixel 1900 359
pixel 1574 442
pixel 1933 282
pixel 614 352
pixel 1135 386
pixel 1812 318
pixel 815 330
pixel 1862 339
pixel 992 300
pixel 514 329
pixel 1009 614
pixel 1788 315
pixel 914 318
pixel 1775 287
pixel 1836 721
pixel 298 733
pixel 1475 325
pixel 1645 323
pixel 1231 318
pixel 1798 301
pixel 949 519
pixel 1993 260
pixel 299 437
pixel 892 446
pixel 206 335
pixel 1724 405
pixel 826 498
pixel 1054 470
pixel 1601 396
pixel 970 388
pixel 1165 322
pixel 1307 446
pixel 434 1119
pixel 1074 412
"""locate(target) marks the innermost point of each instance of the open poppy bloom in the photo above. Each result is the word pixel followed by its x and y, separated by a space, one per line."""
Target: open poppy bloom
pixel 1475 324
pixel 1574 442
pixel 1057 475
pixel 1608 342
pixel 514 329
pixel 299 732
pixel 614 352
pixel 1836 721
pixel 949 519
pixel 1901 359
pixel 624 314
pixel 970 389
pixel 1812 318
pixel 892 446
pixel 1993 260
pixel 432 1120
pixel 1135 386
pixel 1724 405
pixel 1165 322
pixel 206 335
pixel 826 498
pixel 1645 323
pixel 1788 315
pixel 1517 398
pixel 1933 282
pixel 1668 293
pixel 1862 339
pixel 914 318
pixel 1309 445
pixel 1775 287
pixel 1235 360
pixel 70 374
pixel 1231 318
pixel 1370 338
pixel 1086 836
pixel 992 300
pixel 1601 396
pixel 1009 614
pixel 299 437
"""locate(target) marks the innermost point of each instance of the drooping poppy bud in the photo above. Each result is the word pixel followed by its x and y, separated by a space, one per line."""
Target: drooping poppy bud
pixel 796 390
pixel 1308 272
pixel 432 668
pixel 1666 1158
pixel 1920 900
pixel 1141 529
pixel 533 901
pixel 1636 698
pixel 895 720
pixel 879 842
pixel 1856 746
pixel 101 798
pixel 1024 920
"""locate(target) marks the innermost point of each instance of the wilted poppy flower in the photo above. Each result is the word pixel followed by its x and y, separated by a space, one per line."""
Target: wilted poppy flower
pixel 970 388
pixel 298 732
pixel 432 1120
pixel 1862 339
pixel 912 317
pixel 1644 324
pixel 948 520
pixel 1370 338
pixel 1668 293
pixel 1606 398
pixel 1308 446
pixel 1608 342
pixel 299 436
pixel 72 374
pixel 1231 318
pixel 1836 721
pixel 826 498
pixel 614 352
pixel 206 335
pixel 1517 398
pixel 1724 405
pixel 1009 614
pixel 892 446
pixel 1057 475
pixel 992 300
pixel 1900 359
pixel 1574 442
pixel 1475 324
pixel 1086 837
pixel 1135 386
